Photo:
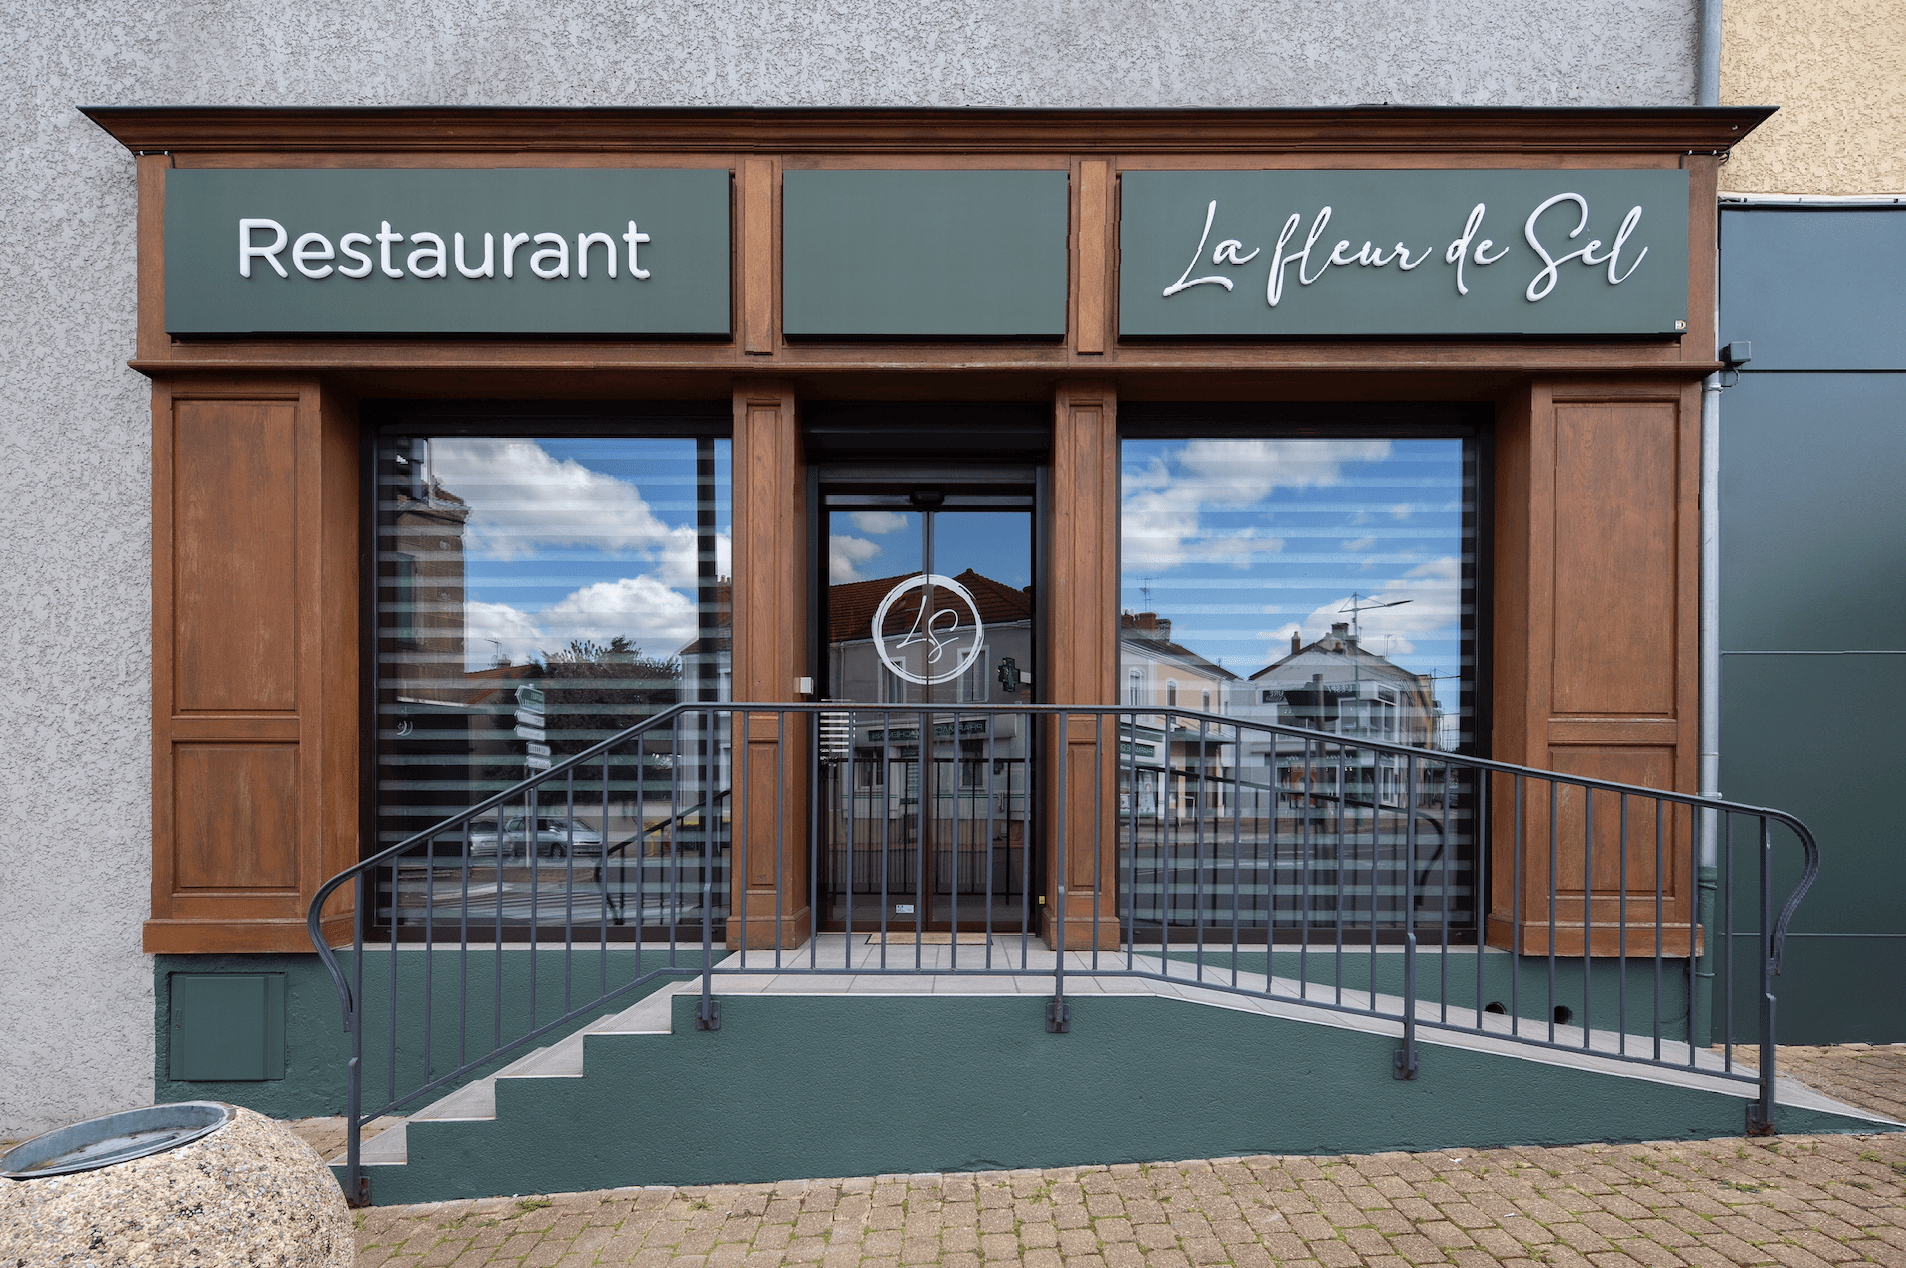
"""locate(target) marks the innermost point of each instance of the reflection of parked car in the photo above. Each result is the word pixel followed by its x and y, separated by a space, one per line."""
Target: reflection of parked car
pixel 554 838
pixel 482 837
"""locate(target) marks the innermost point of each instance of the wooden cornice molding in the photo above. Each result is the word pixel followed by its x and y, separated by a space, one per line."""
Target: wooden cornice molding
pixel 1355 130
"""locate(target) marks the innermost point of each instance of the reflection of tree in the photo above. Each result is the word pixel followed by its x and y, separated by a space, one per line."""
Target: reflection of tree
pixel 596 689
pixel 591 691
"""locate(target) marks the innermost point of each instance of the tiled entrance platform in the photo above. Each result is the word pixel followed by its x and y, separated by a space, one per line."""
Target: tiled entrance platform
pixel 851 974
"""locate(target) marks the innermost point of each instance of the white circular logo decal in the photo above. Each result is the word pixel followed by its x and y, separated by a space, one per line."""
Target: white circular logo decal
pixel 937 634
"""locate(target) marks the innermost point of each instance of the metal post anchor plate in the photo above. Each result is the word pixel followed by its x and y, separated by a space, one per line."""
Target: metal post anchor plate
pixel 1058 1017
pixel 1405 1064
pixel 708 1015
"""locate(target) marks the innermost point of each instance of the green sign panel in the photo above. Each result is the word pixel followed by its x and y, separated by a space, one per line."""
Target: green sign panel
pixel 923 254
pixel 492 251
pixel 1326 253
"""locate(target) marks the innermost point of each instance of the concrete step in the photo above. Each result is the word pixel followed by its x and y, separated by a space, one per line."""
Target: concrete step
pixel 476 1101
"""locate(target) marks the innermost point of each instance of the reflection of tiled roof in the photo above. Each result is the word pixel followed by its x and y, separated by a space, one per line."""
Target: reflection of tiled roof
pixel 1165 649
pixel 487 686
pixel 851 605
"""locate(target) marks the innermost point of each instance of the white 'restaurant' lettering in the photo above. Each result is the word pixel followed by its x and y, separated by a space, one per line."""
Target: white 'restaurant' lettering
pixel 633 237
pixel 431 256
pixel 345 245
pixel 268 254
pixel 557 250
pixel 306 249
pixel 428 245
pixel 384 239
pixel 489 258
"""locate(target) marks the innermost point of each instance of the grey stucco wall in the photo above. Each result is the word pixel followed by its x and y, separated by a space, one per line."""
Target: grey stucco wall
pixel 75 545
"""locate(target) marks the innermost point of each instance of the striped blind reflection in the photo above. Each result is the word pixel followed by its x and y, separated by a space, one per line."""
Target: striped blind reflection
pixel 1321 583
pixel 536 595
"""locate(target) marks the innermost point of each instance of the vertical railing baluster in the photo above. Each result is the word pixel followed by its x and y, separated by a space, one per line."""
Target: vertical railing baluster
pixel 741 811
pixel 1621 936
pixel 1197 851
pixel 1406 1059
pixel 780 799
pixel 705 1018
pixel 1515 905
pixel 1660 882
pixel 1442 845
pixel 1727 941
pixel 886 824
pixel 463 956
pixel 569 887
pixel 1588 910
pixel 1098 828
pixel 1303 867
pixel 1765 1125
pixel 1056 1010
pixel 1340 891
pixel 1554 799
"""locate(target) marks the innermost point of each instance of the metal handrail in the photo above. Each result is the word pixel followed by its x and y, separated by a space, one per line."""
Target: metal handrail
pixel 1466 789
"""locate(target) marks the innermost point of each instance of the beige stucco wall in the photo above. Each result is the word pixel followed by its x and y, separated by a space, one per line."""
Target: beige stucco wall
pixel 1837 70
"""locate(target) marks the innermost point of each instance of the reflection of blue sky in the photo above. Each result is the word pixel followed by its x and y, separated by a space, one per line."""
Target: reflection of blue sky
pixel 1242 542
pixel 579 538
pixel 995 544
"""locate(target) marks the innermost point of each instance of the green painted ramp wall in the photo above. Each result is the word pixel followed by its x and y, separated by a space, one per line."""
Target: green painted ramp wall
pixel 800 1087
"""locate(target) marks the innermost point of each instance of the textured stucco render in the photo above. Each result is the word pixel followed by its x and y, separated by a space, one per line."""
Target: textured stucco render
pixel 1837 70
pixel 74 438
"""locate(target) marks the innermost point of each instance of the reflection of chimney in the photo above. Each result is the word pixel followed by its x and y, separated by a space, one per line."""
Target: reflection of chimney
pixel 1341 632
pixel 1297 642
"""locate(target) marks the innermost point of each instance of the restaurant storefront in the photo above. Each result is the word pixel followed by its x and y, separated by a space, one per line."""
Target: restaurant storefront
pixel 480 435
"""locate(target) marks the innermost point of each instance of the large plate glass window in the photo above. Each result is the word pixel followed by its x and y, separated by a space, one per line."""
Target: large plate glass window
pixel 1297 639
pixel 536 593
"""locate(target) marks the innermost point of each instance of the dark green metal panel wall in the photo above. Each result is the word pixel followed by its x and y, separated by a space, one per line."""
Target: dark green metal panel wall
pixel 1813 590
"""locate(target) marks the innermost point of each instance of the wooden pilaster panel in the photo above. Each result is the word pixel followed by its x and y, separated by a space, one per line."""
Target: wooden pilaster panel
pixel 770 653
pixel 153 342
pixel 1092 257
pixel 1596 590
pixel 255 663
pixel 758 182
pixel 1080 664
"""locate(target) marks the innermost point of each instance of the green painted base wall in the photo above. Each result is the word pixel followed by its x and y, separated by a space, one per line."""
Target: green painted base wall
pixel 318 1052
pixel 795 1087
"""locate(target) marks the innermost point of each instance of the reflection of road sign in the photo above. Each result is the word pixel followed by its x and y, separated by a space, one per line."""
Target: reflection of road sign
pixel 530 721
pixel 934 631
pixel 1009 675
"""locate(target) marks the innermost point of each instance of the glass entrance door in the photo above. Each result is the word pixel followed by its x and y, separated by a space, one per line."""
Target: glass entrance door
pixel 929 610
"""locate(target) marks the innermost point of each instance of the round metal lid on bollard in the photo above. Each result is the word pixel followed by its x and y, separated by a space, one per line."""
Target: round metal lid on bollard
pixel 197 1182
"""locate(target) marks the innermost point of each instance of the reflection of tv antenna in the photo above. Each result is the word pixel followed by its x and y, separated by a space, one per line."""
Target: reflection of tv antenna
pixel 1145 590
pixel 1361 603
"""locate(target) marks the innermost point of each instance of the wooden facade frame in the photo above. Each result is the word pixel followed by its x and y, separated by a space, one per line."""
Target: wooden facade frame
pixel 1555 400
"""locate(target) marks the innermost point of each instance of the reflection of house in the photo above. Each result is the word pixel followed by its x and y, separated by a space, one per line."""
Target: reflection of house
pixel 1160 674
pixel 1335 686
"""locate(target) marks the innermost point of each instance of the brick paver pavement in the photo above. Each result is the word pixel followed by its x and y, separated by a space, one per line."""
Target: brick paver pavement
pixel 1787 1202
pixel 1869 1075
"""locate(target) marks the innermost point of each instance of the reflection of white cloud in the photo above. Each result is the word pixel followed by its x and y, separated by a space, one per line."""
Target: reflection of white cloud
pixel 641 609
pixel 497 629
pixel 878 522
pixel 1401 511
pixel 1162 524
pixel 522 499
pixel 1360 545
pixel 1435 594
pixel 845 555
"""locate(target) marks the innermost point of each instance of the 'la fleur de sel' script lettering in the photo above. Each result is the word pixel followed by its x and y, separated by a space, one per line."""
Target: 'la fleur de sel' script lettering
pixel 1465 249
pixel 1387 252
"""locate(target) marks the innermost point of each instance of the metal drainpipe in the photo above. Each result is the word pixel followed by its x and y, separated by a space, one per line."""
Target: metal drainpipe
pixel 1707 71
pixel 1710 742
pixel 1707 92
